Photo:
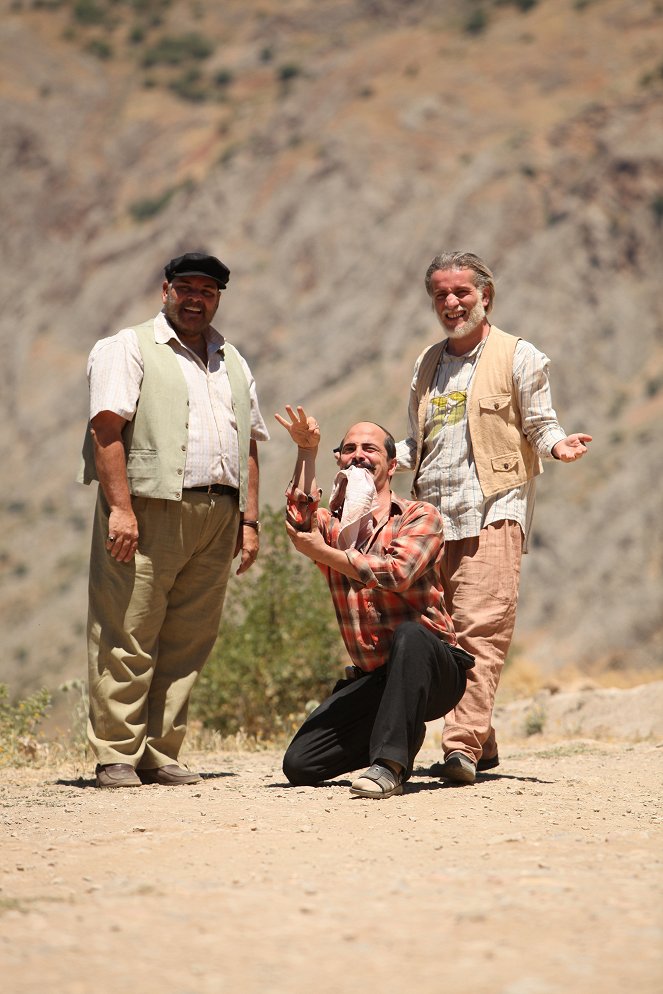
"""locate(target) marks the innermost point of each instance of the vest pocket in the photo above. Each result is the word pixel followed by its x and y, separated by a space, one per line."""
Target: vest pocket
pixel 506 463
pixel 142 464
pixel 500 402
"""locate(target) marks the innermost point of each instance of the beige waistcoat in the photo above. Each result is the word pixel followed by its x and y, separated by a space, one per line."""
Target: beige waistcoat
pixel 503 457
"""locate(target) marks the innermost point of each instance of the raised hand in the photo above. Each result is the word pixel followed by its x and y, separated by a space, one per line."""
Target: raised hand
pixel 303 430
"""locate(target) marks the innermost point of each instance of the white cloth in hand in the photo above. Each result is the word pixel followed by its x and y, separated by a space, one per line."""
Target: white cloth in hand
pixel 354 489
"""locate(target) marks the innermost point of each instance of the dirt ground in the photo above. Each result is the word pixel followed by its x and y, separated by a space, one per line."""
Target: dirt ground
pixel 542 878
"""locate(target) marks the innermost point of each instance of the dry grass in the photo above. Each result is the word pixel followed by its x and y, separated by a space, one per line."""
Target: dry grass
pixel 523 678
pixel 67 750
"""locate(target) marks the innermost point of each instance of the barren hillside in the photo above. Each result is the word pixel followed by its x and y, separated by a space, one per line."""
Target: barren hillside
pixel 326 152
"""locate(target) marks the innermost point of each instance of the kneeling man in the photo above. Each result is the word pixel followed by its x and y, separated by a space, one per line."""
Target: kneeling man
pixel 380 555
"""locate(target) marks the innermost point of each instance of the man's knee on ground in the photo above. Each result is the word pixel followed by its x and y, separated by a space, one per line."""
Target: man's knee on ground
pixel 297 772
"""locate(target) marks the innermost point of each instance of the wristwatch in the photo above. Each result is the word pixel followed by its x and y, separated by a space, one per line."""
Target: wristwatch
pixel 252 524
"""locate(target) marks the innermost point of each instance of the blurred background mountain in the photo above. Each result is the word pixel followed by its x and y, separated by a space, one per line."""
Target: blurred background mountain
pixel 326 151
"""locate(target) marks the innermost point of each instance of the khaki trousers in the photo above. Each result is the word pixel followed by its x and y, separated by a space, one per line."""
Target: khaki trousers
pixel 152 623
pixel 481 578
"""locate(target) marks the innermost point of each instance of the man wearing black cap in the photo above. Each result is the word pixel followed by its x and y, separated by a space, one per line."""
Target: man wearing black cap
pixel 174 422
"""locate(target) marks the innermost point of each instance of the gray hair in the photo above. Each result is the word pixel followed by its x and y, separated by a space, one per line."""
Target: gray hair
pixel 483 277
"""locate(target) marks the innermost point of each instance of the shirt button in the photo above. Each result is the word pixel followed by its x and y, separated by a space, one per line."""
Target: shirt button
pixel 506 465
pixel 496 406
pixel 179 472
pixel 184 448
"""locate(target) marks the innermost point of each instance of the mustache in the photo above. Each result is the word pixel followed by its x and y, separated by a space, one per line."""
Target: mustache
pixel 362 465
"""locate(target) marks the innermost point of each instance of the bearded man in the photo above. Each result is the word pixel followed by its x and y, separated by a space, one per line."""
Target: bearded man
pixel 480 422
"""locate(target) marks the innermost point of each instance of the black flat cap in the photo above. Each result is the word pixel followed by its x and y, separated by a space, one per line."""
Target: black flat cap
pixel 198 264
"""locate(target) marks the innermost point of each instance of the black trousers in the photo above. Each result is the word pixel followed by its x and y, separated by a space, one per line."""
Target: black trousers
pixel 382 714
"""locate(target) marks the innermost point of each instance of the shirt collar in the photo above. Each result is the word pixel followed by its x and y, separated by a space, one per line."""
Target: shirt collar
pixel 396 508
pixel 164 333
pixel 397 504
pixel 472 354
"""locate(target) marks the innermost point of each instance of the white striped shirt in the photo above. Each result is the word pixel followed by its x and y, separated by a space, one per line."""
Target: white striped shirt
pixel 115 374
pixel 447 476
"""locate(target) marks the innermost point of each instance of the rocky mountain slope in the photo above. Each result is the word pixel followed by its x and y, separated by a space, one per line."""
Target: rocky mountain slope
pixel 326 152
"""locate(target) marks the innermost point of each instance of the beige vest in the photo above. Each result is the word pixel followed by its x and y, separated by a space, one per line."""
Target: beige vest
pixel 503 457
pixel 156 439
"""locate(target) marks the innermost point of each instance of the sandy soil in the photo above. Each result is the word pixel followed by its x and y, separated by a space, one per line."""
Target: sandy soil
pixel 543 877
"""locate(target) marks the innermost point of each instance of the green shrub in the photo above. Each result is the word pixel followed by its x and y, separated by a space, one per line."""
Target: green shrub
pixel 476 22
pixel 143 210
pixel 88 12
pixel 279 650
pixel 147 207
pixel 535 720
pixel 149 6
pixel 100 49
pixel 287 72
pixel 653 385
pixel 18 725
pixel 223 77
pixel 173 50
pixel 657 207
pixel 190 86
pixel 520 4
pixel 80 706
pixel 229 153
pixel 654 75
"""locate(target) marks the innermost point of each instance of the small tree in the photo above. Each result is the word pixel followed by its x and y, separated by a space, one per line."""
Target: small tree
pixel 279 649
pixel 18 725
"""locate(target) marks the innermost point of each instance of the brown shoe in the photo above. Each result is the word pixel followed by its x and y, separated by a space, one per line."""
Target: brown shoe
pixel 168 776
pixel 116 775
pixel 457 768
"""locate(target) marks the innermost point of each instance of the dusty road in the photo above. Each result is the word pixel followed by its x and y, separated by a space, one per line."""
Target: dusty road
pixel 542 878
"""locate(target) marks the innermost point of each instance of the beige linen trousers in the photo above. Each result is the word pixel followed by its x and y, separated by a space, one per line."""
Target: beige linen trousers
pixel 153 621
pixel 481 578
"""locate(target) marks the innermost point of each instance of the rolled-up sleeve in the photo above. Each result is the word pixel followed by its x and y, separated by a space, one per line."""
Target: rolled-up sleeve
pixel 115 373
pixel 259 430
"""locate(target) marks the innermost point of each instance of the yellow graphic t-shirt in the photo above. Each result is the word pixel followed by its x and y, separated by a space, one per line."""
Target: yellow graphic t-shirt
pixel 447 409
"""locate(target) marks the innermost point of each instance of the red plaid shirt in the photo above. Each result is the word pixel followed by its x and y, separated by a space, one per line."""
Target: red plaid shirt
pixel 400 569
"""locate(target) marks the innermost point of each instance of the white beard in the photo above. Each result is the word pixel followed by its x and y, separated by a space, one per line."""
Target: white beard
pixel 470 324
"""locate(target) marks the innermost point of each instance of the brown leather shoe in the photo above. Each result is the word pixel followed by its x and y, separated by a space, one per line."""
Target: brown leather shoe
pixel 116 775
pixel 457 768
pixel 168 776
